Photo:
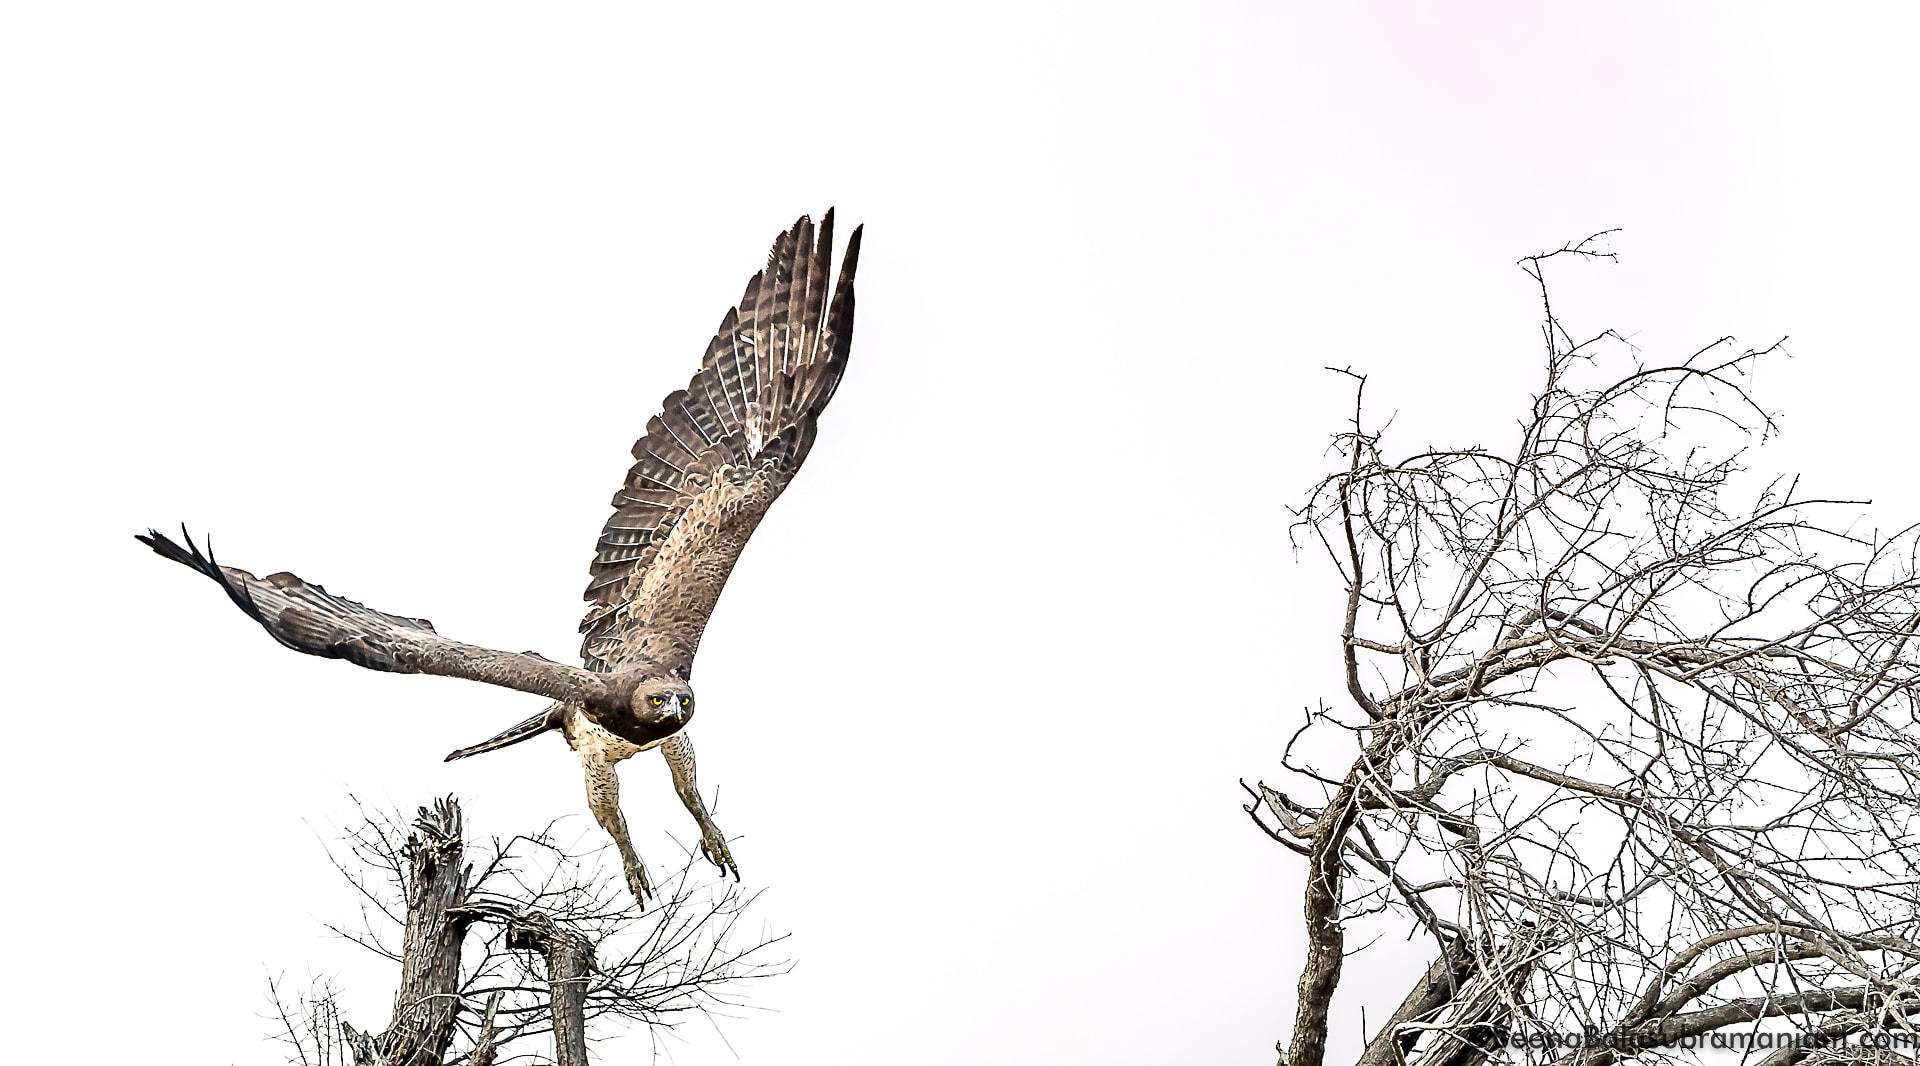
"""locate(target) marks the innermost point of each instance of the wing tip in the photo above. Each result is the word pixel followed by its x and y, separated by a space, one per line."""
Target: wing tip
pixel 851 257
pixel 165 547
pixel 205 563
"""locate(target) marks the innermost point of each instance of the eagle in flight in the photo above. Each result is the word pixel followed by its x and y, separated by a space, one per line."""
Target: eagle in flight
pixel 713 460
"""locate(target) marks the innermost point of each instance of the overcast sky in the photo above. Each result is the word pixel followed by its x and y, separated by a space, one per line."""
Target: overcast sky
pixel 382 293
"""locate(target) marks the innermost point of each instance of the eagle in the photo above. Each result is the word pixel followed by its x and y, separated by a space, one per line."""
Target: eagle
pixel 713 460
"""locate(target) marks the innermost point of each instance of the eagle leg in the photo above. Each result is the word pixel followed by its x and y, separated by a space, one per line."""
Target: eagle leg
pixel 603 796
pixel 713 843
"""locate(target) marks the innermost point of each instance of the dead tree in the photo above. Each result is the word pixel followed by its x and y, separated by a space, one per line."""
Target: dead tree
pixel 519 942
pixel 1628 741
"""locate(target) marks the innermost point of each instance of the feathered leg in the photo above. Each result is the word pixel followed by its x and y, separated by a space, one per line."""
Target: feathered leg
pixel 713 844
pixel 603 795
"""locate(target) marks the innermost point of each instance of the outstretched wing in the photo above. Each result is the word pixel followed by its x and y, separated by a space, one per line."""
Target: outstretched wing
pixel 308 618
pixel 718 455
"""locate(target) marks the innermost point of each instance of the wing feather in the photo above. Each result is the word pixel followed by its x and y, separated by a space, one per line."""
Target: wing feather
pixel 309 619
pixel 719 453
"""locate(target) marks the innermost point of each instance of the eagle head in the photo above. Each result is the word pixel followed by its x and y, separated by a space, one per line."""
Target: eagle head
pixel 662 705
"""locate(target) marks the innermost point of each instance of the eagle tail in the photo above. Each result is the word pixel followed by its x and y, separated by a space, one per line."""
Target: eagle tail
pixel 544 722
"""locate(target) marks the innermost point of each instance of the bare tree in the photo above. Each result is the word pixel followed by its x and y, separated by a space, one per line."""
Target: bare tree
pixel 519 940
pixel 1631 743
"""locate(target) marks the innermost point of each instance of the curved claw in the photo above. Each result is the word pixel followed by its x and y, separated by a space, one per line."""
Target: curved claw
pixel 714 847
pixel 637 882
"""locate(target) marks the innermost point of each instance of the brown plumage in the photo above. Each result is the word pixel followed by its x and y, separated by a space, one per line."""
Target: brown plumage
pixel 711 463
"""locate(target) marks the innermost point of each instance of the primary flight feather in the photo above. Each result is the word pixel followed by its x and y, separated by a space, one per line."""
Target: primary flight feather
pixel 711 463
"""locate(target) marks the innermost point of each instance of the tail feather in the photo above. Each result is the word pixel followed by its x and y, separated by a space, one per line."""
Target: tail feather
pixel 545 722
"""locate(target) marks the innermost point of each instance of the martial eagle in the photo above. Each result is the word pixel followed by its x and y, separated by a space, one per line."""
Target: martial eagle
pixel 713 460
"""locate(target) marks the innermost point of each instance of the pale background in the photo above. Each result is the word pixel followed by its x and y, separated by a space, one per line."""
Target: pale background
pixel 382 293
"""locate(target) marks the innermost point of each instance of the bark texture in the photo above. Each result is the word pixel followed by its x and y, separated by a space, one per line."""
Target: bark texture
pixel 428 1000
pixel 1434 990
pixel 569 967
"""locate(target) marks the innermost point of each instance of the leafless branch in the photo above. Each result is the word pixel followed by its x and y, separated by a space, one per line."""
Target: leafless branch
pixel 524 944
pixel 1634 730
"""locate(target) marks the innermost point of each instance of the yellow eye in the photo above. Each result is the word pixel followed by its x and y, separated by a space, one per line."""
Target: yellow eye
pixel 657 701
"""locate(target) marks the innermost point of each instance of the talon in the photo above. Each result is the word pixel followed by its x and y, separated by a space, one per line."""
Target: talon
pixel 716 851
pixel 638 884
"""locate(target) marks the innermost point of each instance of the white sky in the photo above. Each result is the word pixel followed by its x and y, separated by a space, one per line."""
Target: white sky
pixel 382 293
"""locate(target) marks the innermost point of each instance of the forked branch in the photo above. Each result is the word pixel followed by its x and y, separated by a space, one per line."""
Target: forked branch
pixel 1635 731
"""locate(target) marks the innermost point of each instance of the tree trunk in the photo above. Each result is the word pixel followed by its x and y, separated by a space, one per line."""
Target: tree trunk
pixel 428 997
pixel 569 964
pixel 1436 987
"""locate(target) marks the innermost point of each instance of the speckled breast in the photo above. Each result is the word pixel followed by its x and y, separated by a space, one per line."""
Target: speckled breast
pixel 587 737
